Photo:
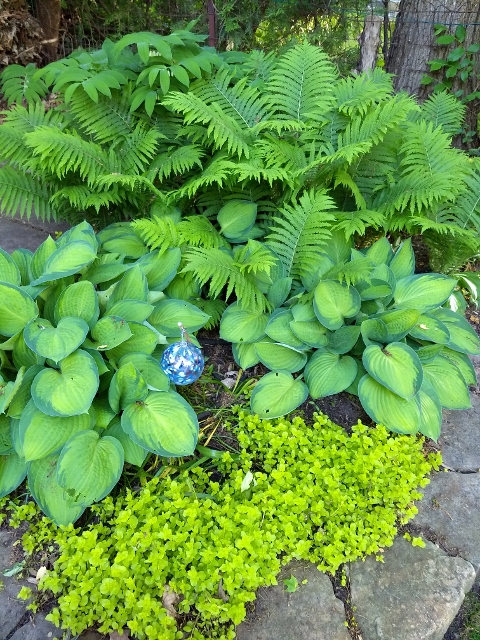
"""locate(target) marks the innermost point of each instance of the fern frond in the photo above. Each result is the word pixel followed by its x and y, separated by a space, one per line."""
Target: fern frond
pixel 300 87
pixel 217 171
pixel 218 267
pixel 135 152
pixel 466 209
pixel 281 153
pixel 444 110
pixel 351 272
pixel 107 120
pixel 132 182
pixel 301 230
pixel 254 257
pixel 76 196
pixel 446 254
pixel 255 169
pixel 25 194
pixel 176 161
pixel 198 231
pixel 158 233
pixel 359 93
pixel 357 222
pixel 213 308
pixel 343 178
pixel 258 66
pixel 378 169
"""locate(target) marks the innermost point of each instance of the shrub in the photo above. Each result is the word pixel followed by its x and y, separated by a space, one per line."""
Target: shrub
pixel 187 554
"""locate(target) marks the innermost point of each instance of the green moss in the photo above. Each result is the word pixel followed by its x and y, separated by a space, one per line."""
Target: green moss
pixel 316 494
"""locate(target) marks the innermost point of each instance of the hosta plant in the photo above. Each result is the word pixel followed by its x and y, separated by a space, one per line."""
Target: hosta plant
pixel 361 322
pixel 83 322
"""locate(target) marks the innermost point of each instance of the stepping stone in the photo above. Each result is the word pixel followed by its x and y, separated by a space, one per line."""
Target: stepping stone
pixel 413 595
pixel 450 508
pixel 460 439
pixel 310 613
pixel 12 610
pixel 16 233
pixel 37 629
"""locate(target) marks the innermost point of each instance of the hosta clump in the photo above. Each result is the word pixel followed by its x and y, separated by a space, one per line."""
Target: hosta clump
pixel 361 322
pixel 83 322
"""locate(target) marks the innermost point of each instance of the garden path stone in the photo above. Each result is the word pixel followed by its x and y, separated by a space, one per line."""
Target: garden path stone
pixel 310 613
pixel 37 629
pixel 16 233
pixel 450 508
pixel 460 439
pixel 414 595
pixel 11 610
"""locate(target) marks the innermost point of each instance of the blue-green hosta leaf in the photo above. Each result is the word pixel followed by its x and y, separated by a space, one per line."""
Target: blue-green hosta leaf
pixel 164 423
pixel 423 292
pixel 99 361
pixel 333 302
pixel 361 371
pixel 9 272
pixel 264 279
pixel 13 471
pixel 343 340
pixel 373 289
pixel 23 356
pixel 6 444
pixel 429 353
pixel 109 332
pixel 462 337
pixel 52 499
pixel 313 272
pixel 463 362
pixel 164 269
pixel 131 310
pixel 40 257
pixel 245 355
pixel 143 340
pixel 66 261
pixel 101 413
pixel 70 391
pixel 277 357
pixel 236 218
pixel 89 466
pixel 279 292
pixel 132 286
pixel 241 325
pixel 126 386
pixel 43 435
pixel 134 453
pixel 276 394
pixel 8 390
pixel 457 303
pixel 430 411
pixel 100 271
pixel 310 332
pixel 79 300
pixel 403 262
pixel 328 373
pixel 16 309
pixel 278 329
pixel 57 342
pixel 448 382
pixel 22 258
pixel 169 312
pixel 380 252
pixel 385 407
pixel 374 331
pixel 83 232
pixel 431 329
pixel 395 366
pixel 149 369
pixel 399 323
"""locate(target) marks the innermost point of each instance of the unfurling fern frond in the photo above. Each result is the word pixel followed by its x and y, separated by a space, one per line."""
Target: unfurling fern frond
pixel 176 161
pixel 213 308
pixel 359 93
pixel 159 233
pixel 219 268
pixel 444 110
pixel 357 222
pixel 301 85
pixel 198 231
pixel 25 194
pixel 301 230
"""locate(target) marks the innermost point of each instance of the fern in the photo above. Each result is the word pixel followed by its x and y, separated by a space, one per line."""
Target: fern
pixel 357 222
pixel 466 209
pixel 198 231
pixel 218 171
pixel 176 161
pixel 136 152
pixel 213 308
pixel 254 257
pixel 444 110
pixel 24 194
pixel 351 272
pixel 108 120
pixel 159 233
pixel 301 230
pixel 357 94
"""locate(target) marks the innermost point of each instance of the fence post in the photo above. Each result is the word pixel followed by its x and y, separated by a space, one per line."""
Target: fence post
pixel 212 19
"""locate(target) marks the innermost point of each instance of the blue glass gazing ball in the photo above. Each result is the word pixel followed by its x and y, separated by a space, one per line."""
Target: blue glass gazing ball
pixel 182 362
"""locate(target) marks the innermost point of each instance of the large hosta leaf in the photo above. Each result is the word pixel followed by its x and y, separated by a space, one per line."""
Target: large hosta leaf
pixel 430 411
pixel 403 262
pixel 66 261
pixel 126 386
pixel 57 342
pixel 132 286
pixel 70 391
pixel 398 323
pixel 13 471
pixel 431 329
pixel 385 407
pixel 280 356
pixel 241 325
pixel 311 332
pixel 8 390
pixel 164 423
pixel 423 292
pixel 245 355
pixel 278 328
pixel 276 394
pixel 6 443
pixel 164 269
pixel 395 366
pixel 462 337
pixel 134 453
pixel 22 258
pixel 109 332
pixel 449 383
pixel 328 373
pixel 168 313
pixel 344 339
pixel 9 271
pixel 43 435
pixel 16 309
pixel 131 310
pixel 333 302
pixel 149 369
pixel 373 289
pixel 89 466
pixel 79 300
pixel 461 360
pixel 53 500
pixel 142 340
pixel 236 218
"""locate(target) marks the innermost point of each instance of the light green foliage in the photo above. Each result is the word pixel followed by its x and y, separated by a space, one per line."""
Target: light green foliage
pixel 361 322
pixel 314 493
pixel 74 371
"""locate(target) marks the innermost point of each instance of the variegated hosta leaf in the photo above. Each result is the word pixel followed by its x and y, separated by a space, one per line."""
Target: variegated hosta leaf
pixel 57 342
pixel 423 292
pixel 333 302
pixel 277 394
pixel 16 309
pixel 395 366
pixel 329 373
pixel 448 382
pixel 242 325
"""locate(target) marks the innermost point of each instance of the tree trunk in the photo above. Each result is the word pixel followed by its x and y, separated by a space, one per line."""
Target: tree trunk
pixel 48 15
pixel 369 43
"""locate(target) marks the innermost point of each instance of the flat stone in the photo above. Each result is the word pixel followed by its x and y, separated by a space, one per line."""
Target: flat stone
pixel 310 613
pixel 16 233
pixel 413 595
pixel 460 439
pixel 12 610
pixel 451 509
pixel 37 629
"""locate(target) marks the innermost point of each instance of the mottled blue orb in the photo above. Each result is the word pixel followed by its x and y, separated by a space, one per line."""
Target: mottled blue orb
pixel 182 362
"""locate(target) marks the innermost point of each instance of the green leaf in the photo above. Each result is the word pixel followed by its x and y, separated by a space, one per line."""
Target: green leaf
pixel 343 339
pixel 52 499
pixel 395 366
pixel 143 340
pixel 180 74
pixel 134 453
pixel 276 394
pixel 9 271
pixel 23 356
pixel 58 342
pixel 462 337
pixel 279 292
pixel 131 310
pixel 149 369
pixel 380 252
pixel 6 444
pixel 328 373
pixel 423 292
pixel 79 300
pixel 398 323
pixel 44 435
pixel 236 218
pixel 132 286
pixel 279 357
pixel 447 380
pixel 16 309
pixel 311 332
pixel 460 33
pixel 338 247
pixel 128 244
pixel 245 355
pixel 126 386
pixel 22 258
pixel 109 332
pixel 385 407
pixel 373 289
pixel 40 257
pixel 66 261
pixel 430 411
pixel 164 423
pixel 9 390
pixel 429 328
pixel 429 353
pixel 169 312
pixel 333 302
pixel 101 413
pixel 89 466
pixel 446 39
pixel 462 361
pixel 70 391
pixel 242 325
pixel 164 269
pixel 13 471
pixel 278 328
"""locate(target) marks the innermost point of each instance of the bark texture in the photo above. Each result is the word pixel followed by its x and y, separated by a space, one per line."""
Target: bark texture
pixel 48 15
pixel 369 43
